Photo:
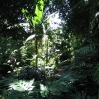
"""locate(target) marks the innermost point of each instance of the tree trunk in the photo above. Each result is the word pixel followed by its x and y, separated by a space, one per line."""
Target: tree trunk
pixel 36 47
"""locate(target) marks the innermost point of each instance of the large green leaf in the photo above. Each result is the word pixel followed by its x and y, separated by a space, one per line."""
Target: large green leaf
pixel 43 90
pixel 38 11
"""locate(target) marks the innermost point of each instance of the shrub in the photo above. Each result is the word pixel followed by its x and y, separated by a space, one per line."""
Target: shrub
pixel 29 72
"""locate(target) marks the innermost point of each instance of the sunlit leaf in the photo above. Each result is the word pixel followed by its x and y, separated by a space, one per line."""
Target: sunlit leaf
pixel 30 37
pixel 22 85
pixel 38 12
pixel 43 90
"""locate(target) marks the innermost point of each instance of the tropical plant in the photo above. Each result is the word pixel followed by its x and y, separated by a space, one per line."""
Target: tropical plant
pixel 63 84
pixel 18 89
pixel 79 95
pixel 30 72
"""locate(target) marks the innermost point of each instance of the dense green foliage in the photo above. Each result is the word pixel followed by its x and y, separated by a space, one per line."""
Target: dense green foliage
pixel 39 61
